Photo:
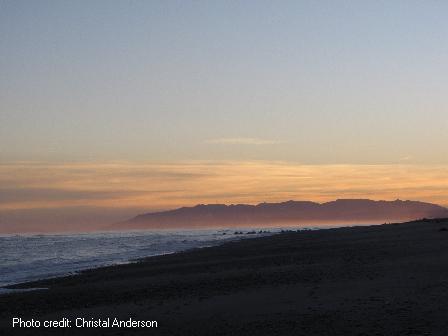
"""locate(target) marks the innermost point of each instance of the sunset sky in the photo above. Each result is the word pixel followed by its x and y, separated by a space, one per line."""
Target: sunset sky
pixel 112 108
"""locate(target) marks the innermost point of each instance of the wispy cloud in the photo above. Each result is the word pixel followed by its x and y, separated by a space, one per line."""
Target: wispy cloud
pixel 243 141
pixel 92 193
pixel 169 185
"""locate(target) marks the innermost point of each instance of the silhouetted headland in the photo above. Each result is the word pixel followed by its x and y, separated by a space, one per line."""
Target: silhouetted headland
pixel 346 211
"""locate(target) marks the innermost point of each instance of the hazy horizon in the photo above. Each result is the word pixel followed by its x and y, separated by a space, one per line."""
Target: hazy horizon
pixel 86 194
pixel 110 109
pixel 85 219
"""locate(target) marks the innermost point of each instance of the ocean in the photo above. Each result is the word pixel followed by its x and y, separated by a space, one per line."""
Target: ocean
pixel 32 257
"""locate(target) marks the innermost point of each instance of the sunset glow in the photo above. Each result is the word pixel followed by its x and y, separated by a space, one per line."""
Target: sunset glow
pixel 147 106
pixel 135 187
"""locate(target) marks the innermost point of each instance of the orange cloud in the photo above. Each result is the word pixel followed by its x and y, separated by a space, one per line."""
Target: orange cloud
pixel 168 185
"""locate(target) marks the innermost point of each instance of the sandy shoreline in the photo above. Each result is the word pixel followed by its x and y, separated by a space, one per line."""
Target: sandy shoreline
pixel 375 280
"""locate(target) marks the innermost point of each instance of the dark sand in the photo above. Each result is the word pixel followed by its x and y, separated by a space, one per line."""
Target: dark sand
pixel 377 280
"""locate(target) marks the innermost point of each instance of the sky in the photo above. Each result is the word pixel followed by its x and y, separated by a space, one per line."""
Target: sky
pixel 108 108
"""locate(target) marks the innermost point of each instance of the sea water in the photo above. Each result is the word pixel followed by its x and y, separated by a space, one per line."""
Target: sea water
pixel 32 257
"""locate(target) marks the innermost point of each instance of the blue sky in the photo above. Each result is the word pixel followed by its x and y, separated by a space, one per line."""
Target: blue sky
pixel 317 82
pixel 112 108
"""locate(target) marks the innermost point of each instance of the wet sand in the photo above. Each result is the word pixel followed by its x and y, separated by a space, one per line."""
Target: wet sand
pixel 376 280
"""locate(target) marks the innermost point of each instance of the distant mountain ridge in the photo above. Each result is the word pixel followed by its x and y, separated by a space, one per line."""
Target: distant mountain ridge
pixel 350 211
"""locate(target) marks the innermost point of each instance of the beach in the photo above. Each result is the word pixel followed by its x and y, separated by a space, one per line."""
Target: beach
pixel 389 279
